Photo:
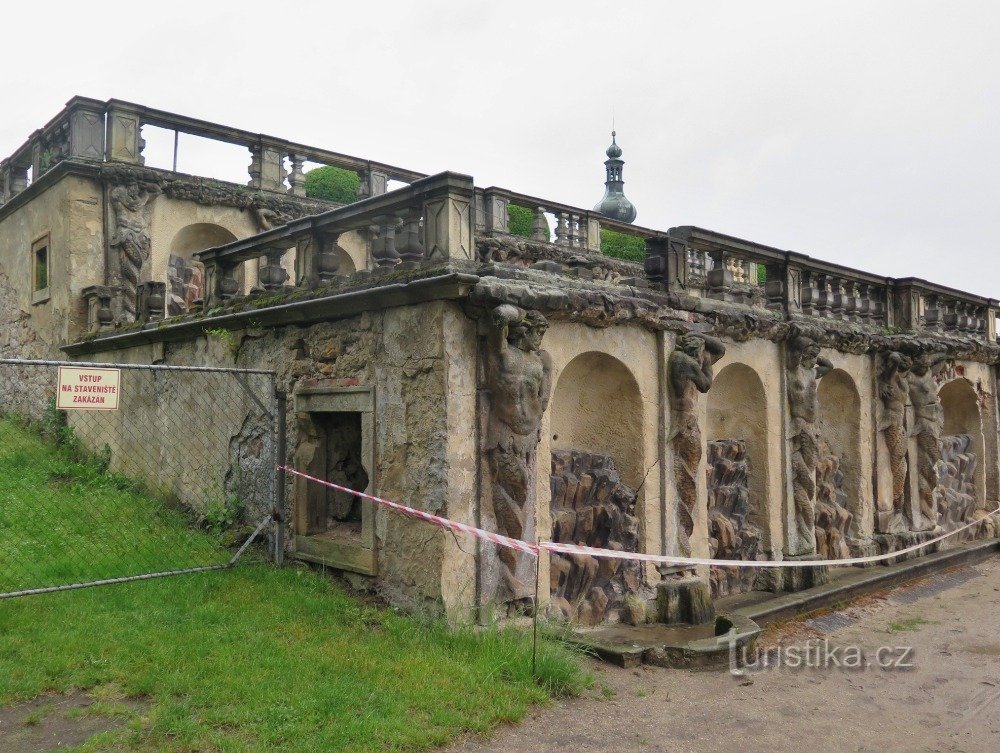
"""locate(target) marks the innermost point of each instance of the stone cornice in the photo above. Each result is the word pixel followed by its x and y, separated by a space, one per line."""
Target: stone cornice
pixel 205 191
pixel 303 308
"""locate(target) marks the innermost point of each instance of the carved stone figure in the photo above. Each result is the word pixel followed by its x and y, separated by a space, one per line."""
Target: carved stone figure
pixel 894 391
pixel 805 368
pixel 833 519
pixel 928 423
pixel 591 506
pixel 957 481
pixel 131 236
pixel 690 373
pixel 519 379
pixel 731 536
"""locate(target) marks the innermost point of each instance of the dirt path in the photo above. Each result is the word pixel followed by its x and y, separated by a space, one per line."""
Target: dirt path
pixel 948 701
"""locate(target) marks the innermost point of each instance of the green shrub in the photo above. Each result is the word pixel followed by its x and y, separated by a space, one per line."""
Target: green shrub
pixel 333 184
pixel 622 246
pixel 519 220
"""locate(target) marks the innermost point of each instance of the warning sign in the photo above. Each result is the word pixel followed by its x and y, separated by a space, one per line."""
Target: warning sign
pixel 88 389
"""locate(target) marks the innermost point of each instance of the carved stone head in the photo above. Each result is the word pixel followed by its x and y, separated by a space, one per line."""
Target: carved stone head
pixel 692 344
pixel 899 361
pixel 527 333
pixel 803 351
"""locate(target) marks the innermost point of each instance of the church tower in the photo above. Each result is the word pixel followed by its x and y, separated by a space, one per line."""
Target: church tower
pixel 614 204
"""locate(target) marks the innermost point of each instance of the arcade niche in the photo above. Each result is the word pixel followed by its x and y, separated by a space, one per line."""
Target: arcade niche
pixel 595 480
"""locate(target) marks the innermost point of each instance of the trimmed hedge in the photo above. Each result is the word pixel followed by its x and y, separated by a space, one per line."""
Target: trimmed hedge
pixel 333 184
pixel 622 246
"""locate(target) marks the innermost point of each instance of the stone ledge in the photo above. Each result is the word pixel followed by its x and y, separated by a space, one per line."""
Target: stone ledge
pixel 864 581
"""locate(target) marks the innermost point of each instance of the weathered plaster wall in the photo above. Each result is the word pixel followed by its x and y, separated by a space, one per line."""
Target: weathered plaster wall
pixel 421 362
pixel 70 213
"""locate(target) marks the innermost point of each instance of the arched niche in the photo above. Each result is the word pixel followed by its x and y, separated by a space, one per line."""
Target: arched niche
pixel 597 408
pixel 960 406
pixel 737 447
pixel 596 478
pixel 185 275
pixel 839 466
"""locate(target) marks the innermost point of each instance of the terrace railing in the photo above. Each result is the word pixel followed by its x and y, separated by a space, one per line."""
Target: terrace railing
pixel 112 131
pixel 428 221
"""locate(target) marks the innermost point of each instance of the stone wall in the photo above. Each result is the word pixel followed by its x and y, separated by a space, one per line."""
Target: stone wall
pixel 400 353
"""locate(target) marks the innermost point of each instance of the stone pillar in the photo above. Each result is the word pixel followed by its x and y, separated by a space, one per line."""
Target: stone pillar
pixel 86 130
pixel 409 245
pixel 267 170
pixel 220 282
pixel 373 183
pixel 540 226
pixel 5 194
pixel 448 221
pixel 384 246
pixel 592 231
pixel 100 315
pixel 124 133
pixel 151 301
pixel 496 212
pixel 272 275
pixel 297 179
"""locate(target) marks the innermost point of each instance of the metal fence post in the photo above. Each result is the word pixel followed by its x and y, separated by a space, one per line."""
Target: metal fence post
pixel 280 401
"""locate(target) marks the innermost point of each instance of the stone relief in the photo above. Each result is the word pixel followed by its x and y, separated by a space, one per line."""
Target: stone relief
pixel 805 367
pixel 690 368
pixel 518 377
pixel 731 536
pixel 894 392
pixel 833 519
pixel 956 481
pixel 591 506
pixel 130 237
pixel 185 285
pixel 928 423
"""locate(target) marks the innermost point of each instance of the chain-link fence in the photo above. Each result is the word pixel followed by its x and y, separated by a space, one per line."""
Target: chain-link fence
pixel 111 472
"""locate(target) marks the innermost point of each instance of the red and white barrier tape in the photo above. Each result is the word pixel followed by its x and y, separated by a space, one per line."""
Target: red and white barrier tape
pixel 552 546
pixel 437 520
pixel 668 560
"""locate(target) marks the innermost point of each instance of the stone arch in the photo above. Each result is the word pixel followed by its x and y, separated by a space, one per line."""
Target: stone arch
pixel 185 275
pixel 838 474
pixel 738 446
pixel 961 470
pixel 597 408
pixel 596 478
pixel 346 262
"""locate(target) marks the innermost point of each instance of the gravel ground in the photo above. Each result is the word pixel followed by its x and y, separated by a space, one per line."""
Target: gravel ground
pixel 949 700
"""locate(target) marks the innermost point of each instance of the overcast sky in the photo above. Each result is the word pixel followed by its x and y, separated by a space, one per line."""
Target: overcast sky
pixel 866 133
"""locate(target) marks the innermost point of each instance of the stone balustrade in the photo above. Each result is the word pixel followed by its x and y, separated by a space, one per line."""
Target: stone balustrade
pixel 430 220
pixel 573 227
pixel 112 132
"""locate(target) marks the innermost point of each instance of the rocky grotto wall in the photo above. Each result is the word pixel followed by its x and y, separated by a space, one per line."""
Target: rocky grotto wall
pixel 732 535
pixel 591 506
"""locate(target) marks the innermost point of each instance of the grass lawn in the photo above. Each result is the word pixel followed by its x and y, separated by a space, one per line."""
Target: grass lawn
pixel 251 659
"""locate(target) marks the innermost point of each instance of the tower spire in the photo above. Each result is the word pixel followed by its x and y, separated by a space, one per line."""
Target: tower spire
pixel 614 204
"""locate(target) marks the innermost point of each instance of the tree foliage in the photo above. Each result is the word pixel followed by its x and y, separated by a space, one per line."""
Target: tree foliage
pixel 333 184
